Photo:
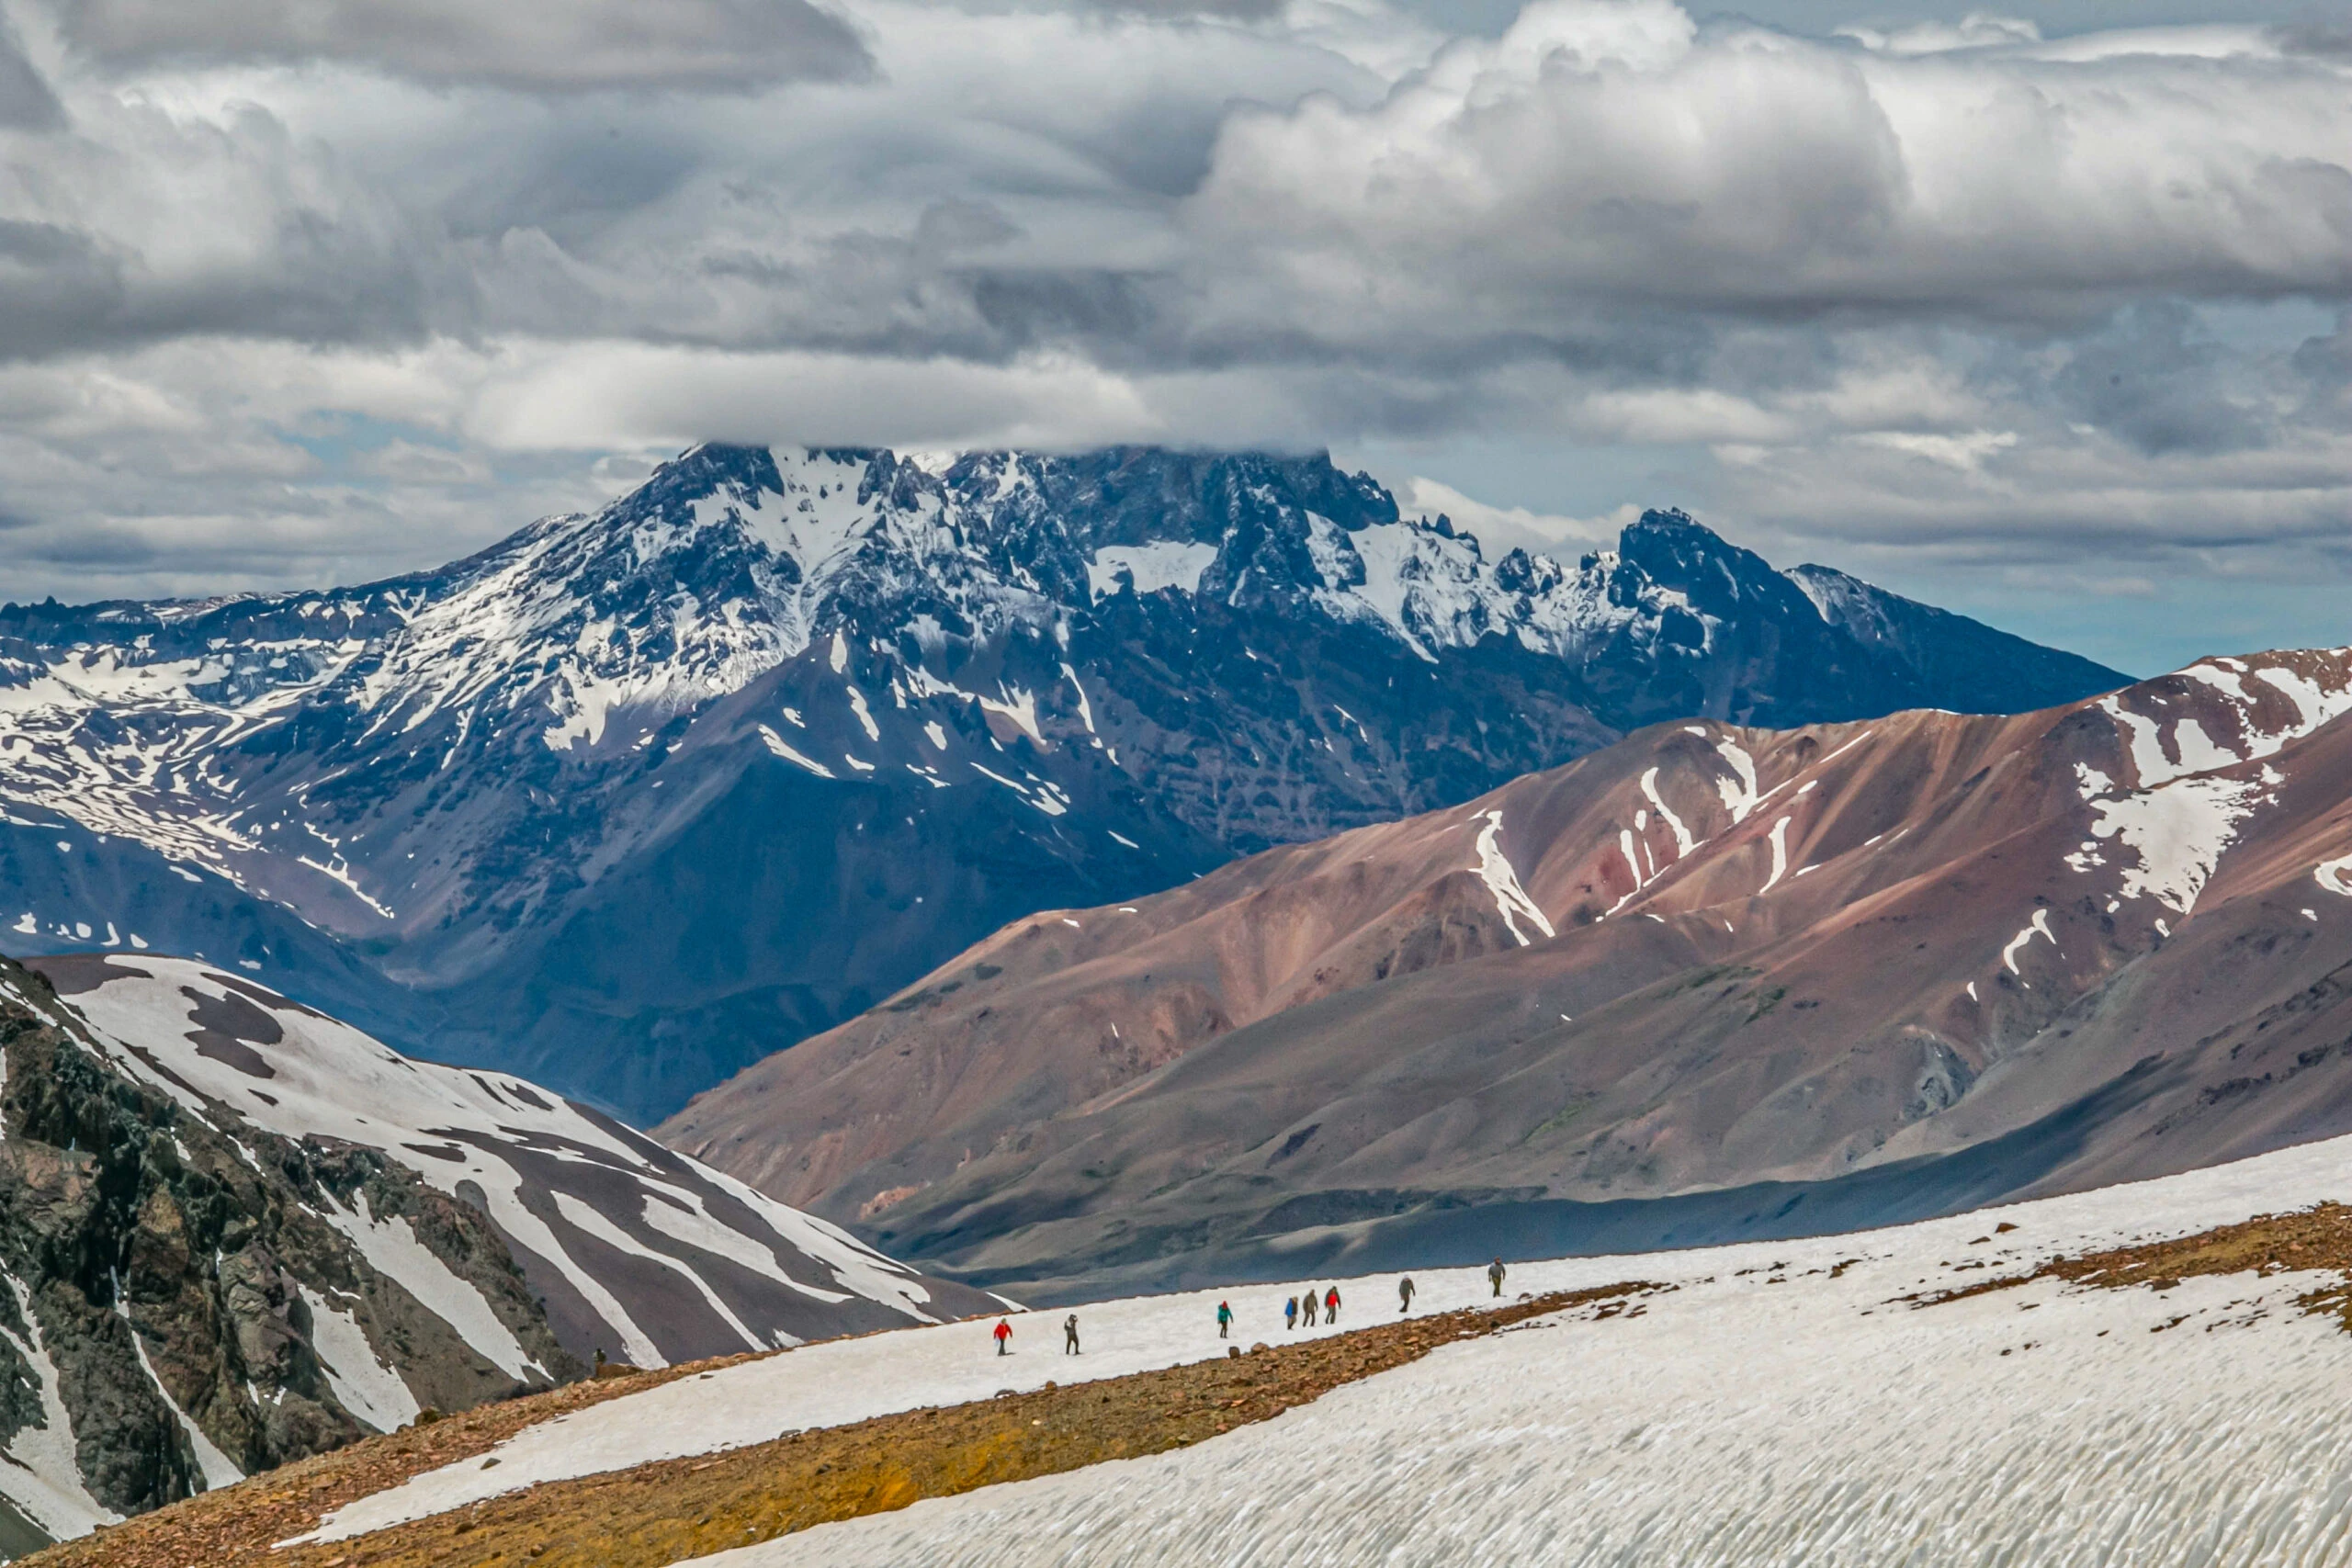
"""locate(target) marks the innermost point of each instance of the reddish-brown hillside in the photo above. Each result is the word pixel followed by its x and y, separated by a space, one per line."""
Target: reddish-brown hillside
pixel 1710 981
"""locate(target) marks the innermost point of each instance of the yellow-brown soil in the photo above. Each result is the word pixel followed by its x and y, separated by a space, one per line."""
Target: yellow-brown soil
pixel 676 1509
pixel 2317 1237
pixel 238 1523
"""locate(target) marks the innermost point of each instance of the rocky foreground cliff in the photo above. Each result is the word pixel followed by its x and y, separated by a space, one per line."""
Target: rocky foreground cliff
pixel 235 1232
pixel 181 1307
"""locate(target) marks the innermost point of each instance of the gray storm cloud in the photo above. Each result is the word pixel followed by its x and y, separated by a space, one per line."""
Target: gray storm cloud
pixel 360 270
pixel 546 44
pixel 27 103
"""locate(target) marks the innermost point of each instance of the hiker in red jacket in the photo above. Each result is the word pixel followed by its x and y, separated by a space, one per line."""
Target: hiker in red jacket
pixel 1003 1334
pixel 1332 1306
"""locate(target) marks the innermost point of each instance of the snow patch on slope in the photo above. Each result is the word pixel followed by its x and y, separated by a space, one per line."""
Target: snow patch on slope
pixel 1160 564
pixel 1683 842
pixel 2038 926
pixel 43 1477
pixel 1494 868
pixel 363 1384
pixel 777 744
pixel 1740 797
pixel 392 1250
pixel 2178 833
pixel 217 1468
pixel 1780 855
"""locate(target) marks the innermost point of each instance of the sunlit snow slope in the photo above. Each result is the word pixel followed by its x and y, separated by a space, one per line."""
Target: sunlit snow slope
pixel 1779 1404
pixel 635 1250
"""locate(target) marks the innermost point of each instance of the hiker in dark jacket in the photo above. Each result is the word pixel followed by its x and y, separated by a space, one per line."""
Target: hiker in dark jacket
pixel 1495 1273
pixel 1069 1335
pixel 1332 1306
pixel 1224 1320
pixel 1404 1295
pixel 1290 1312
pixel 1003 1334
pixel 1306 1305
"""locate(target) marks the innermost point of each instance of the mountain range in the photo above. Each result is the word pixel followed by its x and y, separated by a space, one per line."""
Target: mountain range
pixel 1713 982
pixel 635 798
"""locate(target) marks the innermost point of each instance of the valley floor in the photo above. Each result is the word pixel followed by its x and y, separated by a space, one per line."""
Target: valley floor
pixel 1853 1399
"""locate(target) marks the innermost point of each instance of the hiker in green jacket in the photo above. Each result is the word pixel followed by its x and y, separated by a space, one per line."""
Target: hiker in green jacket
pixel 1404 1295
pixel 1224 1320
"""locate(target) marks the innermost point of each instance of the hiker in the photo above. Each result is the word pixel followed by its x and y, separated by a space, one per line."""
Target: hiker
pixel 1003 1337
pixel 1495 1273
pixel 1404 1295
pixel 1290 1312
pixel 1069 1335
pixel 1306 1304
pixel 1332 1306
pixel 1224 1320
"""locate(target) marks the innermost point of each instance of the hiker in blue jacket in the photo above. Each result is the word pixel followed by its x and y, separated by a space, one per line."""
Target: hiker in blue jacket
pixel 1290 1312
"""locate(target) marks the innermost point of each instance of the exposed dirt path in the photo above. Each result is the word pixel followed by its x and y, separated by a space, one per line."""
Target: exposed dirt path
pixel 2317 1237
pixel 662 1512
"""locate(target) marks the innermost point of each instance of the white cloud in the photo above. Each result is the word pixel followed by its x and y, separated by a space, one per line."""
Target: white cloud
pixel 1501 528
pixel 1603 157
pixel 1964 452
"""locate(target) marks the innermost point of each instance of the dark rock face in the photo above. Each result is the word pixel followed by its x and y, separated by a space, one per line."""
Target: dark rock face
pixel 153 1260
pixel 626 1247
pixel 631 800
pixel 235 1231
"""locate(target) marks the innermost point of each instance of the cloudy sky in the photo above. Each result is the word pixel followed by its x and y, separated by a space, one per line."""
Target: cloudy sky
pixel 2040 316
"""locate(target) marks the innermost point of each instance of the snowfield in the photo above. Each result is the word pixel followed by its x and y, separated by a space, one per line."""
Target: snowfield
pixel 1778 1404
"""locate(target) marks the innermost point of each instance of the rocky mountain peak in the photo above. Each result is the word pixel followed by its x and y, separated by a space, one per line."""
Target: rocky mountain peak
pixel 1680 553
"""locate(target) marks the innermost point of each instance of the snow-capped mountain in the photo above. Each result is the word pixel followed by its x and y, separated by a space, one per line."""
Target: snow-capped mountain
pixel 634 798
pixel 1713 981
pixel 238 1232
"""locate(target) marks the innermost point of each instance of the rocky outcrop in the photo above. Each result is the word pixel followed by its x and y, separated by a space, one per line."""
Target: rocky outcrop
pixel 178 1311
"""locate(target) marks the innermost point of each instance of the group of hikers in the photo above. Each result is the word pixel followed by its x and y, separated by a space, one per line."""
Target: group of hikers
pixel 1302 1305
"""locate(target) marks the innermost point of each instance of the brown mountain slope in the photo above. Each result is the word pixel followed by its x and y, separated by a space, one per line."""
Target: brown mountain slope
pixel 1709 982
